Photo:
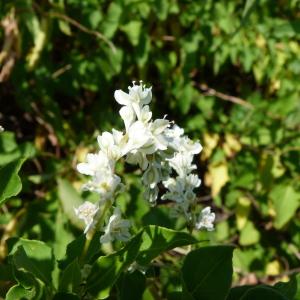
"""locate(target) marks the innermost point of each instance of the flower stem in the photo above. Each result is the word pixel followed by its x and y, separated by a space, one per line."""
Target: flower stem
pixel 98 225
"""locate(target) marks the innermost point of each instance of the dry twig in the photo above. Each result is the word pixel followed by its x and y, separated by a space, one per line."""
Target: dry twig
pixel 212 92
pixel 11 45
pixel 83 28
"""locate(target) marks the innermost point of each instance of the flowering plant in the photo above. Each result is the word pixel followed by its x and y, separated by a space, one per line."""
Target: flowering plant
pixel 110 260
pixel 165 156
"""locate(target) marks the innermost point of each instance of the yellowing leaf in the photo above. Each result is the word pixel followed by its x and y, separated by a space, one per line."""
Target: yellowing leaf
pixel 38 30
pixel 278 169
pixel 40 141
pixel 273 268
pixel 81 153
pixel 231 145
pixel 210 142
pixel 64 27
pixel 271 210
pixel 217 177
pixel 260 41
pixel 242 212
pixel 274 85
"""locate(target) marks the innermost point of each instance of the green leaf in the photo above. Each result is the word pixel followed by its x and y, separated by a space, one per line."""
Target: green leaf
pixel 263 293
pixel 10 182
pixel 107 269
pixel 207 273
pixel 74 250
pixel 249 6
pixel 156 240
pixel 237 292
pixel 161 9
pixel 133 30
pixel 19 292
pixel 63 236
pixel 70 278
pixel 286 201
pixel 35 289
pixel 94 251
pixel 145 246
pixel 290 289
pixel 25 150
pixel 69 199
pixel 186 95
pixel 35 257
pixel 112 19
pixel 131 286
pixel 7 142
pixel 249 234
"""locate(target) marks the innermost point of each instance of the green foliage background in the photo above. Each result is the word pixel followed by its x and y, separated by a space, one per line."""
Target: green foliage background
pixel 226 71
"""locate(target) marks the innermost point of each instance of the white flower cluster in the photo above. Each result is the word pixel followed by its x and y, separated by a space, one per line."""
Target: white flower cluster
pixel 1 129
pixel 158 147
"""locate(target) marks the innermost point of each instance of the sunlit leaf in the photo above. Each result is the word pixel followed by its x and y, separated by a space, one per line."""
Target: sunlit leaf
pixel 10 182
pixel 286 200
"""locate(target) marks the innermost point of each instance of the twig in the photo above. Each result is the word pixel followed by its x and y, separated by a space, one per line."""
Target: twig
pixel 10 51
pixel 9 229
pixel 60 71
pixel 168 38
pixel 204 198
pixel 266 279
pixel 212 92
pixel 83 28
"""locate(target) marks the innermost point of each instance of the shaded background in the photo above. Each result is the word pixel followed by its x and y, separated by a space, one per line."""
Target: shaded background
pixel 226 71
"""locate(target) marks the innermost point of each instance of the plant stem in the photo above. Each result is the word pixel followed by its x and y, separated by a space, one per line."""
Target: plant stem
pixel 98 225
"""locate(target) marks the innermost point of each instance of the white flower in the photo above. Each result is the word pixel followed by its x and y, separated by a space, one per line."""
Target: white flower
pixel 181 143
pixel 146 114
pixel 128 116
pixel 190 146
pixel 157 129
pixel 137 97
pixel 138 135
pixel 116 229
pixel 181 162
pixel 193 181
pixel 206 219
pixel 175 132
pixel 176 189
pixel 87 212
pixel 1 129
pixel 174 136
pixel 140 93
pixel 111 144
pixel 104 183
pixel 94 164
pixel 101 168
pixel 137 93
